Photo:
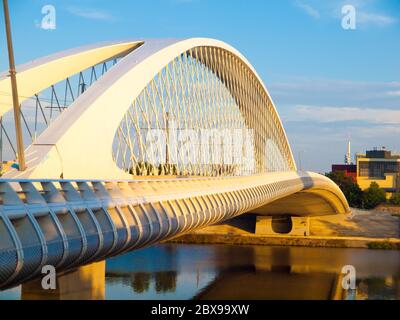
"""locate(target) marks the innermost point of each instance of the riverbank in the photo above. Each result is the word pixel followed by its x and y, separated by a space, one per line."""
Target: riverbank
pixel 310 241
pixel 374 229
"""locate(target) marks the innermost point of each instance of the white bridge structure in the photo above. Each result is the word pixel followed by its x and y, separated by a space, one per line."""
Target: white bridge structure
pixel 131 143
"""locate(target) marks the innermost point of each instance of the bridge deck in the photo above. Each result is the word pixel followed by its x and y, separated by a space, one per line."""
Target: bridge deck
pixel 72 223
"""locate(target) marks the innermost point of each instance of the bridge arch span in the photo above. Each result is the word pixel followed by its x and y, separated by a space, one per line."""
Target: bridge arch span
pixel 79 143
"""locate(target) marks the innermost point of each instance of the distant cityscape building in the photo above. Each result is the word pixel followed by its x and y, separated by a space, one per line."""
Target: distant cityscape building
pixel 380 166
pixel 377 165
pixel 349 169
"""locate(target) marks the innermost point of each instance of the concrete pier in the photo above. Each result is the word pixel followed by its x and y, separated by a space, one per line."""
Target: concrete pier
pixel 290 226
pixel 364 229
pixel 84 283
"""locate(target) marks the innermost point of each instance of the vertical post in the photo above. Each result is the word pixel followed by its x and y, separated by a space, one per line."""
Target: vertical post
pixel 167 141
pixel 300 164
pixel 17 111
pixel 1 146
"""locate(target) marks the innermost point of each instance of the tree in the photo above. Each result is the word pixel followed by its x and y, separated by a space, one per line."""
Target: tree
pixel 350 189
pixel 395 199
pixel 373 196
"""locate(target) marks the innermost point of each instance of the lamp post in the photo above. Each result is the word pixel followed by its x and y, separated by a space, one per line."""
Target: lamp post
pixel 14 89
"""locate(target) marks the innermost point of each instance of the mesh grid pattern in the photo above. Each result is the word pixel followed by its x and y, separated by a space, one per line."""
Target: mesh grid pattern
pixel 8 263
pixel 203 88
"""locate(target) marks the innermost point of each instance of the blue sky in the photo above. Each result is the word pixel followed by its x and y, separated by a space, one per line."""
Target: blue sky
pixel 327 83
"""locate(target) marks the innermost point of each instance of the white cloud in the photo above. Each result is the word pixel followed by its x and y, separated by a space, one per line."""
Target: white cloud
pixel 375 19
pixel 368 12
pixel 93 14
pixel 307 83
pixel 378 131
pixel 318 91
pixel 324 114
pixel 394 93
pixel 311 11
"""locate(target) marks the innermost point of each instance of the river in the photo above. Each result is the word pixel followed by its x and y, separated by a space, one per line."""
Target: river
pixel 177 271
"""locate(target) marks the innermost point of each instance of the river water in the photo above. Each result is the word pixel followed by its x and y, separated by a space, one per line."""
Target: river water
pixel 176 271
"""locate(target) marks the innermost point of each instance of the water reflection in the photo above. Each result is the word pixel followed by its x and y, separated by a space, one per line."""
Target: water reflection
pixel 159 272
pixel 171 271
pixel 140 281
pixel 379 288
pixel 252 272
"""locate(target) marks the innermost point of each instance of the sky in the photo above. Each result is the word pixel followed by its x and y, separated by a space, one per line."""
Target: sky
pixel 329 84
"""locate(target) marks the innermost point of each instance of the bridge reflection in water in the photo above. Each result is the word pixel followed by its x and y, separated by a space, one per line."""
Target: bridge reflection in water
pixel 225 272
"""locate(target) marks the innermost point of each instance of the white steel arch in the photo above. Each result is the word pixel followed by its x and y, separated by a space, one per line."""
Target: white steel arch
pixel 78 143
pixel 40 74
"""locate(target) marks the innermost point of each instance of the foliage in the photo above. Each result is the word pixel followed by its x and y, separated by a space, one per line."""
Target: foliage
pixel 373 196
pixel 357 198
pixel 386 245
pixel 395 199
pixel 148 169
pixel 350 189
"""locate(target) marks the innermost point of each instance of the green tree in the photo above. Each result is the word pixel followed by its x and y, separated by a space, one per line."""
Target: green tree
pixel 373 196
pixel 350 189
pixel 395 199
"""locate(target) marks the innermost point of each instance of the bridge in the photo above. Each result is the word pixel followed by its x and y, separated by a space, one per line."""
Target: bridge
pixel 135 142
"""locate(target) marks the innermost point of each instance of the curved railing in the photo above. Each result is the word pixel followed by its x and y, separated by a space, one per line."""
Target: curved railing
pixel 204 84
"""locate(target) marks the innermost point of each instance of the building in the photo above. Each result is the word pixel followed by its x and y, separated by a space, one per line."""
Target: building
pixel 349 168
pixel 380 166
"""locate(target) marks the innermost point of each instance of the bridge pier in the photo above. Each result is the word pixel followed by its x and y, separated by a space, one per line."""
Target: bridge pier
pixel 83 283
pixel 260 225
pixel 287 225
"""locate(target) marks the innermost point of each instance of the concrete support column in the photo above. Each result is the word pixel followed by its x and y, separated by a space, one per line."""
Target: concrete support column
pixel 289 226
pixel 84 283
